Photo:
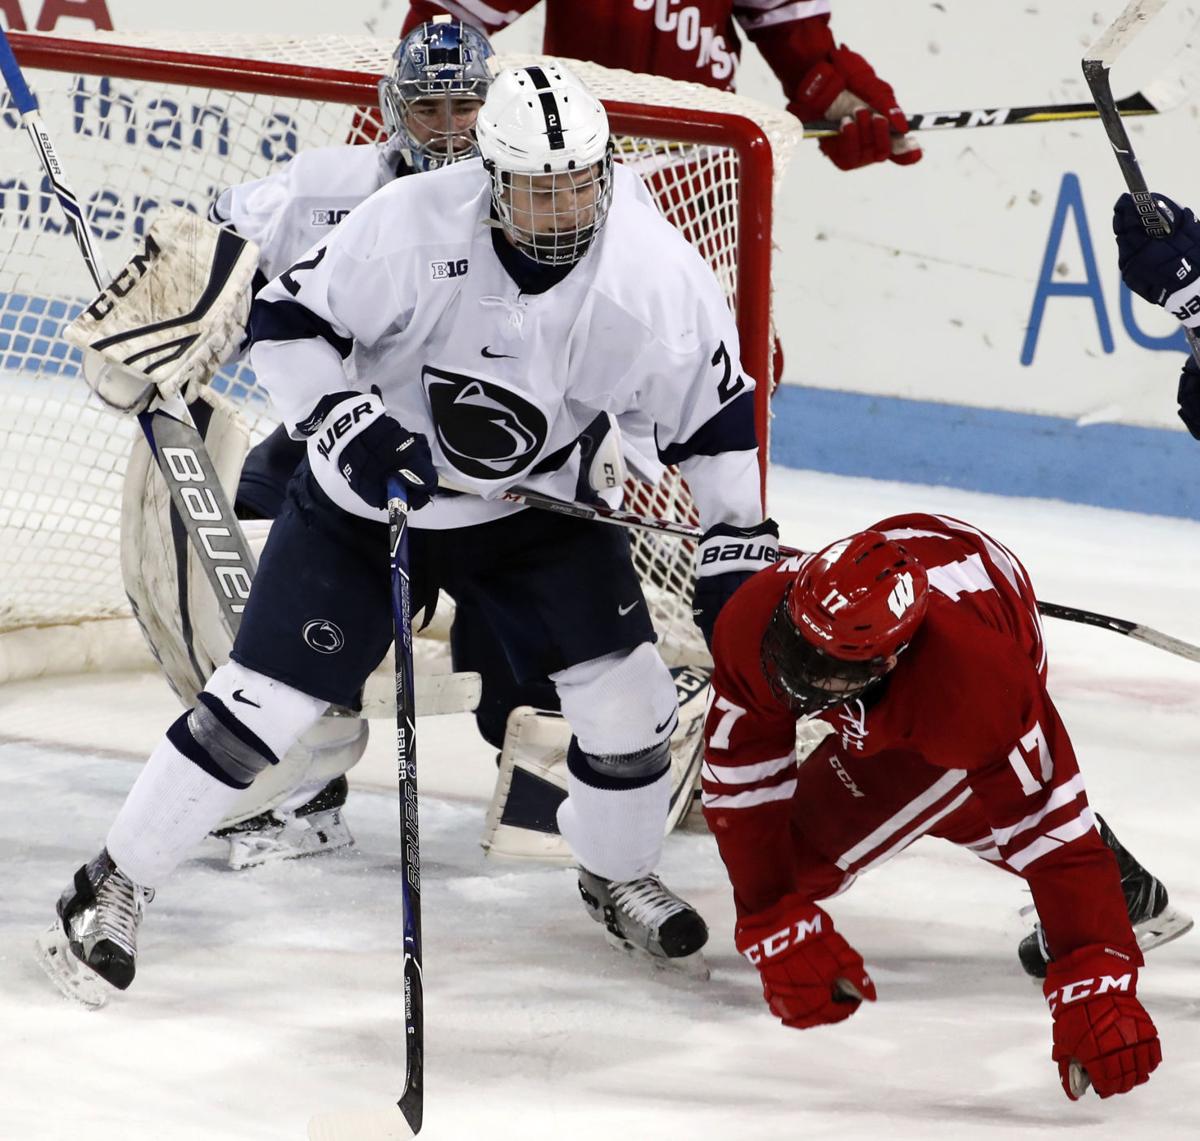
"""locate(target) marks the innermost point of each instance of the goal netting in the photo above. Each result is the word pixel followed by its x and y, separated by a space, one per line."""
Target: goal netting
pixel 142 121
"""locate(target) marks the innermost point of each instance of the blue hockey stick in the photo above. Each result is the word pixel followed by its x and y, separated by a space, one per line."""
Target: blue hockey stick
pixel 412 1099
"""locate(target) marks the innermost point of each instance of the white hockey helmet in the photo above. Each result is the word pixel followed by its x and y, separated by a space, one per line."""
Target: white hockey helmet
pixel 545 142
pixel 440 74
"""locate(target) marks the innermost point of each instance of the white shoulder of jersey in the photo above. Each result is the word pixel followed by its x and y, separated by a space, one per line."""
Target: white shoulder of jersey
pixel 355 171
pixel 647 268
pixel 628 184
pixel 352 169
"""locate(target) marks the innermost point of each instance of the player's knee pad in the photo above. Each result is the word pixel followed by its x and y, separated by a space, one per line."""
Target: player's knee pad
pixel 621 706
pixel 241 723
pixel 619 770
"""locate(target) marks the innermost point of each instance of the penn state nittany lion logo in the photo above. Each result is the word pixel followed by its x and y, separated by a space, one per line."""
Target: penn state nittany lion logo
pixel 323 636
pixel 485 430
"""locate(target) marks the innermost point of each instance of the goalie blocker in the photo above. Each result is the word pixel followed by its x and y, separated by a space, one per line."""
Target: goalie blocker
pixel 532 778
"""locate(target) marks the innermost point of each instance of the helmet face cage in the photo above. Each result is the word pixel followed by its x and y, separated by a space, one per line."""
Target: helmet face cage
pixel 554 218
pixel 430 101
pixel 805 677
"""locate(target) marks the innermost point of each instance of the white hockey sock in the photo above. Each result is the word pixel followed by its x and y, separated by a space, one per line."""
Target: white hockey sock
pixel 616 834
pixel 172 806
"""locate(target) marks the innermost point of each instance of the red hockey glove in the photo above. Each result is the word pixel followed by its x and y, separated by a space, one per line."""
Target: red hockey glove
pixel 1101 1032
pixel 810 974
pixel 842 86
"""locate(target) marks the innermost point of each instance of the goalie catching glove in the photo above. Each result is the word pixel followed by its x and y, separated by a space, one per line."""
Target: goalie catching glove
pixel 810 974
pixel 353 441
pixel 171 317
pixel 1102 1033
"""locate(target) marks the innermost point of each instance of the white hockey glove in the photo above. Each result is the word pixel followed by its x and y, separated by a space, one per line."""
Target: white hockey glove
pixel 725 557
pixel 172 316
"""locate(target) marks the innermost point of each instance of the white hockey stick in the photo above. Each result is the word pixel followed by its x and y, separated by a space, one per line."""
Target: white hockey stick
pixel 178 447
pixel 1096 65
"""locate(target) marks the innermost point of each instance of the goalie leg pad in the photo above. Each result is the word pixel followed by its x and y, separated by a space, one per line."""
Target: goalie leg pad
pixel 171 597
pixel 532 780
pixel 325 752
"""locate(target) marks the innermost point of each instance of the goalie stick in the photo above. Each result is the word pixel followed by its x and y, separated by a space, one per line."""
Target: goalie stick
pixel 1096 65
pixel 178 448
pixel 621 518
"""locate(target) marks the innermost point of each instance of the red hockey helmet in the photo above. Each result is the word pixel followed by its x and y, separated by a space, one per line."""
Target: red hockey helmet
pixel 850 610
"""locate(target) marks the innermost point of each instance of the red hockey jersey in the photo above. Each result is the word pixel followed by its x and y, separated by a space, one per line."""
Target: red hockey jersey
pixel 960 741
pixel 696 40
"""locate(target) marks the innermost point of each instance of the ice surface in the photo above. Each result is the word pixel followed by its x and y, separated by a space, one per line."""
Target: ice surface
pixel 265 997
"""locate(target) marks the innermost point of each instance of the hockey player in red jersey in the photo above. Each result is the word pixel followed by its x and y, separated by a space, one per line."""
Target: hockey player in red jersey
pixel 919 643
pixel 699 41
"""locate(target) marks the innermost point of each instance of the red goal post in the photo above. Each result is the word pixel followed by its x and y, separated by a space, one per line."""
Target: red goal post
pixel 144 119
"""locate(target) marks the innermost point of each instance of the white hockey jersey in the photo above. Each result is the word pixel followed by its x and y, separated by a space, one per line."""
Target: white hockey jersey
pixel 298 206
pixel 409 295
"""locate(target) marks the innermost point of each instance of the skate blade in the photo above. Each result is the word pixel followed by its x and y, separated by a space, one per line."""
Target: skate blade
pixel 1166 926
pixel 73 978
pixel 252 850
pixel 693 966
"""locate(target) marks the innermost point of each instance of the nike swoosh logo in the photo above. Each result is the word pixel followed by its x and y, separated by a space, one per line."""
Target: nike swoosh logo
pixel 485 351
pixel 623 610
pixel 668 721
pixel 237 696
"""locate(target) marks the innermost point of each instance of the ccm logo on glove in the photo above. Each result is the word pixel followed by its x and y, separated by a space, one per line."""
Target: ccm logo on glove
pixel 1086 988
pixel 776 944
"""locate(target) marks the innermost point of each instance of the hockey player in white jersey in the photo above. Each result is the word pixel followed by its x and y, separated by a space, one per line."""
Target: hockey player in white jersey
pixel 469 325
pixel 428 104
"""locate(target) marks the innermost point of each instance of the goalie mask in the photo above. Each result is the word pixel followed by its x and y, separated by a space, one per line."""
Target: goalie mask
pixel 438 82
pixel 544 140
pixel 851 610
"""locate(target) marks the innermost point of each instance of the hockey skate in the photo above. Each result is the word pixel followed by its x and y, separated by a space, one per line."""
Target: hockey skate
pixel 644 917
pixel 93 946
pixel 1154 920
pixel 316 826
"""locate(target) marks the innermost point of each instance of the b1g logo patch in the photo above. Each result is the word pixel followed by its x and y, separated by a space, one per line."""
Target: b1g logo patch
pixel 328 217
pixel 444 270
pixel 485 430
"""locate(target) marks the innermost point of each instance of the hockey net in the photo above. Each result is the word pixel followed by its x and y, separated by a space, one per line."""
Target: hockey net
pixel 141 121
